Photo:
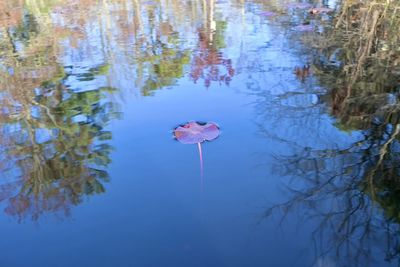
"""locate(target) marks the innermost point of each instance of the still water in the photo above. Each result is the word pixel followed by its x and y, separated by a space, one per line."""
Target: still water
pixel 91 175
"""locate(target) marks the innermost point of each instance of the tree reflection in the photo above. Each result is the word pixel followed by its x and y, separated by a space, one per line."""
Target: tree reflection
pixel 53 136
pixel 208 62
pixel 54 148
pixel 341 188
pixel 162 62
pixel 163 57
pixel 208 59
pixel 55 106
pixel 354 191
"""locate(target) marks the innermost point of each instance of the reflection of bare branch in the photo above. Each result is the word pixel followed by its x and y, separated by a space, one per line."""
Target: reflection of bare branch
pixel 352 192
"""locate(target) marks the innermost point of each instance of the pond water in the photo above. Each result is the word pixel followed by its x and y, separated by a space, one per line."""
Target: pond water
pixel 91 175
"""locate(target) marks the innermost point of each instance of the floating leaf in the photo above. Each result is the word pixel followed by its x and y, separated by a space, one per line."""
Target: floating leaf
pixel 194 132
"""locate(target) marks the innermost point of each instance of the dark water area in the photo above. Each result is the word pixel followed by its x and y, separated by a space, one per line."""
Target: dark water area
pixel 305 170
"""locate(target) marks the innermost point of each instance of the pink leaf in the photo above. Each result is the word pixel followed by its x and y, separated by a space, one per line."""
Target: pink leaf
pixel 193 132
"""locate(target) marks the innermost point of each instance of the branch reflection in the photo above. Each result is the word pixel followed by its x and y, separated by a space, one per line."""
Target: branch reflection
pixel 353 191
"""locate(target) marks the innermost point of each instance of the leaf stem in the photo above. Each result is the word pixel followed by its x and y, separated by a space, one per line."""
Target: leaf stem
pixel 201 165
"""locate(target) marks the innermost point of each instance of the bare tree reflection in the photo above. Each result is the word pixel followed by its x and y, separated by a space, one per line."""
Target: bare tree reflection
pixel 353 191
pixel 342 187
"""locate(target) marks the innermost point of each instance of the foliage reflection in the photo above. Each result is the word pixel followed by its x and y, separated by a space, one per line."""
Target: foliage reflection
pixel 58 74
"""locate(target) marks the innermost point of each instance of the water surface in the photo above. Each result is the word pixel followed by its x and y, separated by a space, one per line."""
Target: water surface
pixel 91 175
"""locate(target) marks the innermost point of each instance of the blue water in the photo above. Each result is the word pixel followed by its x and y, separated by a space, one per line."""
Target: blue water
pixel 154 211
